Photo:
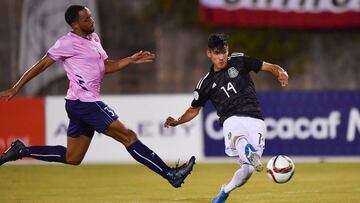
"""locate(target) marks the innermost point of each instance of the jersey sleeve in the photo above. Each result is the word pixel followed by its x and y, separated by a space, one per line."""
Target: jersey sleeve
pixel 201 92
pixel 61 50
pixel 252 64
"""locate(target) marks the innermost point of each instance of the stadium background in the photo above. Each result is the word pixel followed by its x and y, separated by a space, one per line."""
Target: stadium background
pixel 315 119
pixel 314 116
pixel 320 56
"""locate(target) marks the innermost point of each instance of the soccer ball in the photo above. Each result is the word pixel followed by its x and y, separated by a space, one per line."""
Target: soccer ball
pixel 280 169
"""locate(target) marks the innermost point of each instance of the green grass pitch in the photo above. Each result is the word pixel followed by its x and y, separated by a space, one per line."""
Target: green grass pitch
pixel 131 183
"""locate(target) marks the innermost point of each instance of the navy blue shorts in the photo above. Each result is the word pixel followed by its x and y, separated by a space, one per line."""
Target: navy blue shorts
pixel 86 117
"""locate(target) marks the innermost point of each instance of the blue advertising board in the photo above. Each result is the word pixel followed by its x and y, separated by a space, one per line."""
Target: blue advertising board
pixel 321 123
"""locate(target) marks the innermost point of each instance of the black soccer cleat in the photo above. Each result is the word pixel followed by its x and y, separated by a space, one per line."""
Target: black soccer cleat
pixel 13 153
pixel 177 175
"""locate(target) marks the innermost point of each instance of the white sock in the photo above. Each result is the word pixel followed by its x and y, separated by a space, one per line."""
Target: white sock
pixel 244 173
pixel 240 177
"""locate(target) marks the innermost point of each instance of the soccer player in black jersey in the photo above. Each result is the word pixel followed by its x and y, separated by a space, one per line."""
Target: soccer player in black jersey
pixel 229 87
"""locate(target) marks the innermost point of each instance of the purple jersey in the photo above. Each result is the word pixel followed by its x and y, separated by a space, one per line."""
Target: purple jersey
pixel 83 60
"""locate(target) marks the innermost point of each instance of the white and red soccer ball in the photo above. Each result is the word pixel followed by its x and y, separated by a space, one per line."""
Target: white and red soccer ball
pixel 280 169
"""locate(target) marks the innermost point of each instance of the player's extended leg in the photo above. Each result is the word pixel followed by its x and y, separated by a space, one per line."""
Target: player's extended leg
pixel 242 174
pixel 146 156
pixel 246 169
pixel 248 140
pixel 73 154
pixel 18 150
pixel 240 178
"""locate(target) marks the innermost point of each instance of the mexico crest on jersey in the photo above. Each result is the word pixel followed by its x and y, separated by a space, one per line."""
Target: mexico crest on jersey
pixel 233 72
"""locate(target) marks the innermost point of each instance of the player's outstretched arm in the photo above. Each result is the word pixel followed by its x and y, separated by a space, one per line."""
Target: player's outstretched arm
pixel 35 70
pixel 276 70
pixel 189 114
pixel 137 58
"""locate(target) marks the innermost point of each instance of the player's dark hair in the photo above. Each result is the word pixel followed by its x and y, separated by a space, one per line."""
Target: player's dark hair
pixel 72 13
pixel 217 41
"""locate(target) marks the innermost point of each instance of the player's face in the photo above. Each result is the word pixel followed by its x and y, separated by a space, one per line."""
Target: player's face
pixel 218 57
pixel 86 23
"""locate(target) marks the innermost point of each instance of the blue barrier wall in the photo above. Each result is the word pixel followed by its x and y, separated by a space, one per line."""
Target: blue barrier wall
pixel 300 124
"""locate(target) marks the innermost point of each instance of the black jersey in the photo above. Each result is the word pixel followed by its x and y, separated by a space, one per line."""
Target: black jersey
pixel 231 90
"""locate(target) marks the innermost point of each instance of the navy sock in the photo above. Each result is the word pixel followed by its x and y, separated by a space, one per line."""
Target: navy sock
pixel 146 156
pixel 46 153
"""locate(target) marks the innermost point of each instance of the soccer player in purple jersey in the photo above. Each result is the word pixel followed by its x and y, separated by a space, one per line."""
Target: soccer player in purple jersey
pixel 85 63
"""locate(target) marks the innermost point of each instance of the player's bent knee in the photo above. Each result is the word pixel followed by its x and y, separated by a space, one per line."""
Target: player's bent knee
pixel 73 160
pixel 131 137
